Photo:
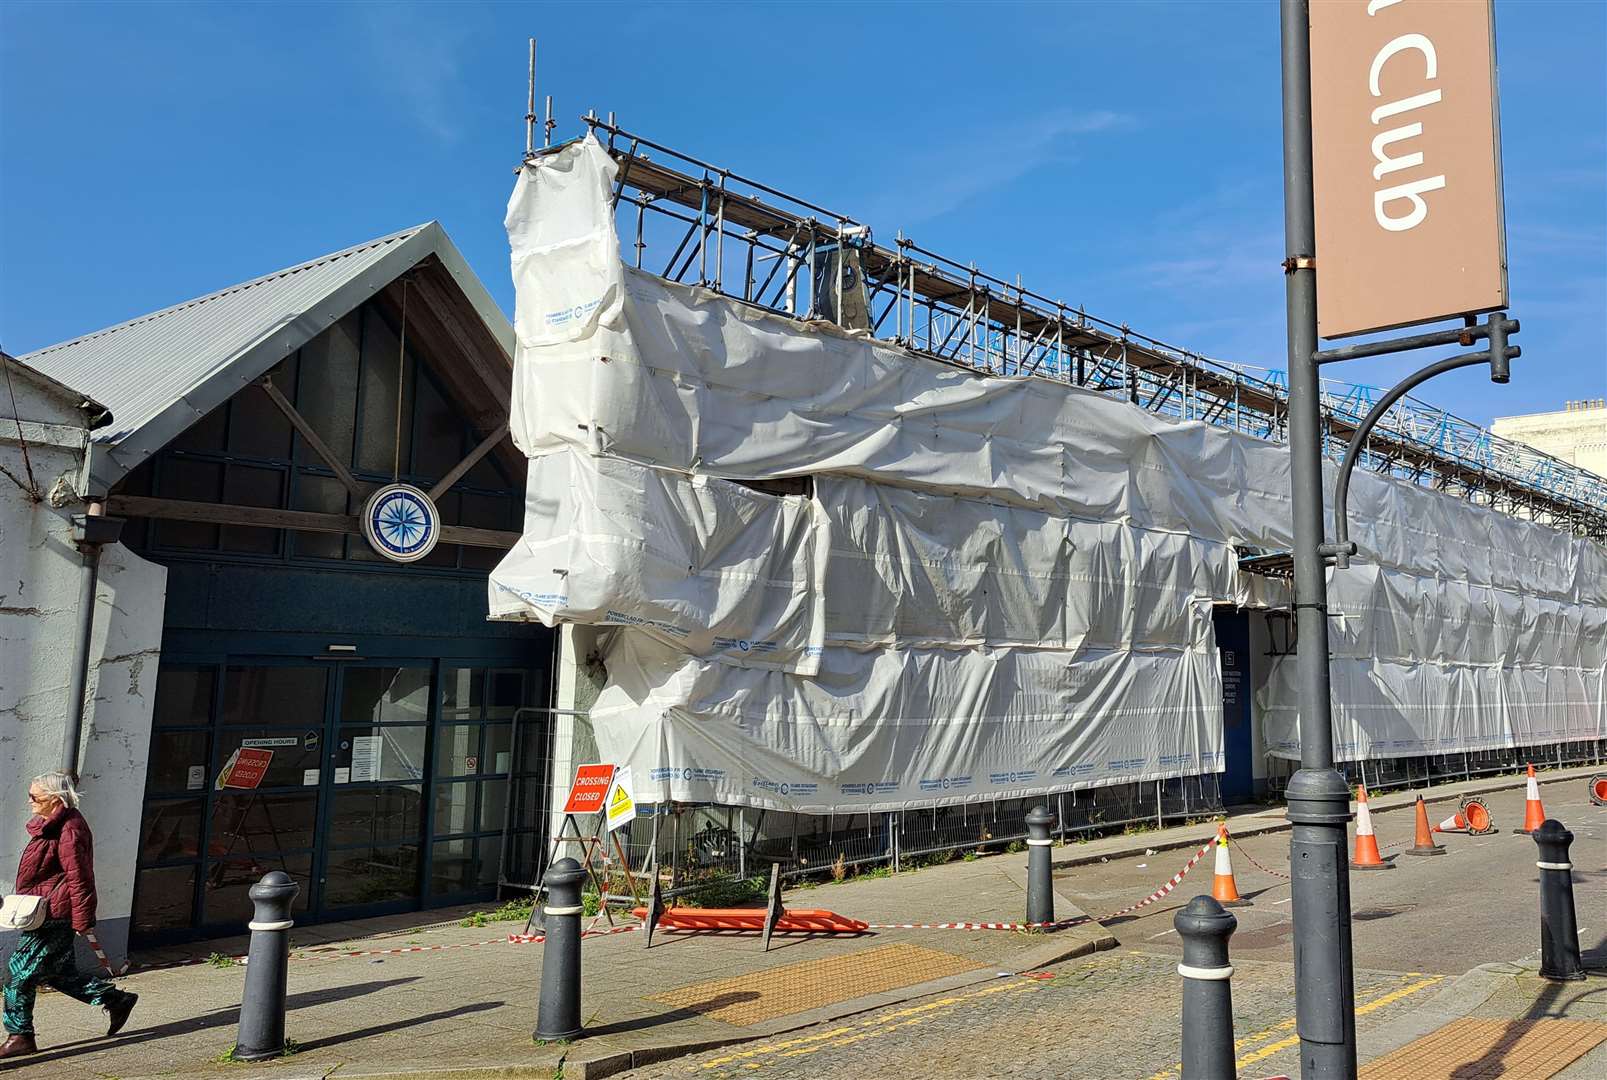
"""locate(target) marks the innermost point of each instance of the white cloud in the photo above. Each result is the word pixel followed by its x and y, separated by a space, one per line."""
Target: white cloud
pixel 980 161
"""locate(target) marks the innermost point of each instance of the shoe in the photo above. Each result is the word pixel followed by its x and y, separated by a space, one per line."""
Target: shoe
pixel 18 1045
pixel 119 1012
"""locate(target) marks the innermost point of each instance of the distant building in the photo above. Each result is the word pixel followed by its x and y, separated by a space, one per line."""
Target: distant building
pixel 1577 434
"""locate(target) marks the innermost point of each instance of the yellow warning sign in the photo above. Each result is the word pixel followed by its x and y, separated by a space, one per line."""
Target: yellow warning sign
pixel 621 806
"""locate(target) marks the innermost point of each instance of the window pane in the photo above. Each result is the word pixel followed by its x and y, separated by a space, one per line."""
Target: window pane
pixel 498 755
pixel 391 752
pixel 489 847
pixel 183 695
pixel 292 696
pixel 376 443
pixel 454 809
pixel 164 899
pixel 246 823
pixel 324 495
pixel 294 762
pixel 171 831
pixel 385 695
pixel 507 694
pixel 493 804
pixel 457 749
pixel 438 433
pixel 224 891
pixel 195 481
pixel 247 486
pixel 461 693
pixel 452 867
pixel 179 761
pixel 256 426
pixel 372 876
pixel 328 393
pixel 377 816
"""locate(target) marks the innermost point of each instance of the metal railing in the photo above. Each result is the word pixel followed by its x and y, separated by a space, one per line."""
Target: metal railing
pixel 757 244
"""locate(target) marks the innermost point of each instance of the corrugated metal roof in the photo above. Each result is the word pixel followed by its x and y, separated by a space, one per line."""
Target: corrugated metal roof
pixel 141 367
pixel 162 372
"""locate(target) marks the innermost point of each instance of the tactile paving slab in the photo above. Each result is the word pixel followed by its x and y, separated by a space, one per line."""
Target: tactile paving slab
pixel 1477 1049
pixel 811 984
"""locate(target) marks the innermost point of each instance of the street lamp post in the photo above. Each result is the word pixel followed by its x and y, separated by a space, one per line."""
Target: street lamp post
pixel 1318 797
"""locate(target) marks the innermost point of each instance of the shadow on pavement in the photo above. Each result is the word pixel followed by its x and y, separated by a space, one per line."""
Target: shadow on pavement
pixel 218 1018
pixel 674 1015
pixel 395 1025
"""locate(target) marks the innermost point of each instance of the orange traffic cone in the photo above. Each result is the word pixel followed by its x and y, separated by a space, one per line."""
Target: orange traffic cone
pixel 1455 823
pixel 1223 889
pixel 1477 816
pixel 1533 812
pixel 1367 857
pixel 1424 844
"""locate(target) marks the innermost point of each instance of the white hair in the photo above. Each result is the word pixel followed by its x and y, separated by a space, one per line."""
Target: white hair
pixel 58 785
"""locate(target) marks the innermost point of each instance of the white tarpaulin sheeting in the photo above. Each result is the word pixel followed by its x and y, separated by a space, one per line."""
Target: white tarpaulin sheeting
pixel 994 578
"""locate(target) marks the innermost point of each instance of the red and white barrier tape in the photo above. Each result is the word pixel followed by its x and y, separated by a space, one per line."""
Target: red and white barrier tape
pixel 536 939
pixel 1251 860
pixel 1062 923
pixel 100 954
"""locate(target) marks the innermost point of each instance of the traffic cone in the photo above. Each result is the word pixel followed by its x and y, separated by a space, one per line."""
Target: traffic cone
pixel 1367 857
pixel 1477 815
pixel 1424 844
pixel 1533 812
pixel 1455 823
pixel 1223 889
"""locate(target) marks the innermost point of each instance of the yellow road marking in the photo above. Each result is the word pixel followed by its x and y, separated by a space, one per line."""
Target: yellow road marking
pixel 1377 1003
pixel 1368 1006
pixel 808 1044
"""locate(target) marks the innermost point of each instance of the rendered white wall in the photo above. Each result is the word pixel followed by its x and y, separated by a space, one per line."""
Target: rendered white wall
pixel 39 574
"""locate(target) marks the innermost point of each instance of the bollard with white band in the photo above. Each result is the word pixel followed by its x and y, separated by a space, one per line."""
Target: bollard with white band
pixel 262 1010
pixel 1205 926
pixel 558 1012
pixel 1559 925
pixel 1040 880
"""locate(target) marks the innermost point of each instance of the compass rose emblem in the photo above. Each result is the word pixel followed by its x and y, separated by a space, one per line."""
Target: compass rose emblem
pixel 401 523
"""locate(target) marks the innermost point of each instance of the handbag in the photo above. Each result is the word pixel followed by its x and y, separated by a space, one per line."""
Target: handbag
pixel 23 912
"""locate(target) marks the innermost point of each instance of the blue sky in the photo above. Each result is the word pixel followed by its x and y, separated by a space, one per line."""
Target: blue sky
pixel 1124 157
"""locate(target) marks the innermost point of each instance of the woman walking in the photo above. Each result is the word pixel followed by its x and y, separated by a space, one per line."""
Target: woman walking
pixel 57 864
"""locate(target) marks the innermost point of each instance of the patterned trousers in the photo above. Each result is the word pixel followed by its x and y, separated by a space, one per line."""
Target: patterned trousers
pixel 45 956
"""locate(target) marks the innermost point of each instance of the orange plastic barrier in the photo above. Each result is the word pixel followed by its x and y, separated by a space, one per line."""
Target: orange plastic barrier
pixel 808 920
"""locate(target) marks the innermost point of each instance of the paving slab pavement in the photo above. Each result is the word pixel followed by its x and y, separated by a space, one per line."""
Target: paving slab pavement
pixel 463 997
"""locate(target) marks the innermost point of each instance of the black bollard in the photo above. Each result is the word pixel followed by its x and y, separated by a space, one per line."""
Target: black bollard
pixel 1040 882
pixel 558 1014
pixel 1205 926
pixel 262 1011
pixel 1559 926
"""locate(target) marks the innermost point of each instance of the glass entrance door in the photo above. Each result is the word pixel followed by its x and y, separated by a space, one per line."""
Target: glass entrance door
pixel 378 785
pixel 373 783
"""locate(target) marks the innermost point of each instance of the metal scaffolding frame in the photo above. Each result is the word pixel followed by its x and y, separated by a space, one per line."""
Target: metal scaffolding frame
pixel 757 244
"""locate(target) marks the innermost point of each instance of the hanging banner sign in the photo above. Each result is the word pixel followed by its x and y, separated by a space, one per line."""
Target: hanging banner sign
pixel 245 769
pixel 621 806
pixel 1406 162
pixel 590 789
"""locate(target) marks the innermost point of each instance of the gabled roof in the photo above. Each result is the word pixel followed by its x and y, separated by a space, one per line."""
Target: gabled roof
pixel 161 372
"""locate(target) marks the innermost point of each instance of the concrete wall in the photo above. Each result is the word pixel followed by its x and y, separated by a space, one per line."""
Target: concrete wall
pixel 39 573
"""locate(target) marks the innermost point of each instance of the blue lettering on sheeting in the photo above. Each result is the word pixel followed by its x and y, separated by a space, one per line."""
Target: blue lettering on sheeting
pixel 945 783
pixel 880 787
pixel 1020 776
pixel 1125 765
